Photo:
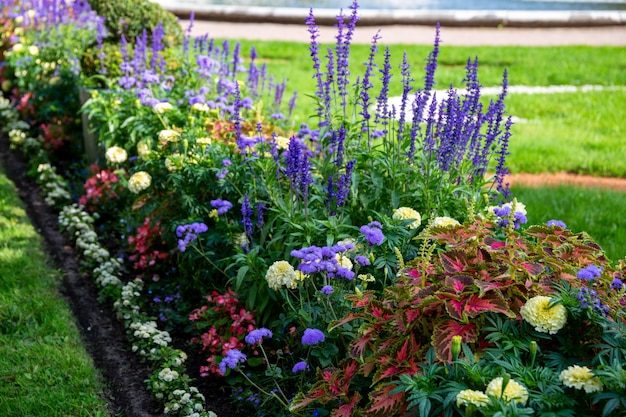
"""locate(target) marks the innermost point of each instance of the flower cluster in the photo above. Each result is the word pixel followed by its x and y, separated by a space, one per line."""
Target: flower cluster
pixel 330 260
pixel 147 245
pixel 580 377
pixel 509 213
pixel 407 213
pixel 373 233
pixel 139 182
pixel 188 233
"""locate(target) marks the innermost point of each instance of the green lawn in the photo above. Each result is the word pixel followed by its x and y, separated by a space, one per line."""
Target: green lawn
pixel 44 369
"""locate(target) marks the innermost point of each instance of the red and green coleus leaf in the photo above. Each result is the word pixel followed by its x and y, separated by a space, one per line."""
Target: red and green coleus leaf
pixel 347 410
pixel 443 333
pixel 454 261
pixel 384 402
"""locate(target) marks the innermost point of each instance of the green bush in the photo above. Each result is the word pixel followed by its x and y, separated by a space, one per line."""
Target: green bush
pixel 130 18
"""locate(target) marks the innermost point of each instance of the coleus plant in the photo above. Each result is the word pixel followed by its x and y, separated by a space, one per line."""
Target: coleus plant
pixel 462 274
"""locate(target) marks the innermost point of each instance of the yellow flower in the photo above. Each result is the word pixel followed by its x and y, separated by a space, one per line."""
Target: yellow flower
pixel 174 162
pixel 366 277
pixel 514 391
pixel 162 107
pixel 281 273
pixel 116 155
pixel 204 141
pixel 143 150
pixel 139 182
pixel 580 377
pixel 444 221
pixel 407 213
pixel 301 276
pixel 543 317
pixel 470 396
pixel 168 135
pixel 17 48
pixel 33 50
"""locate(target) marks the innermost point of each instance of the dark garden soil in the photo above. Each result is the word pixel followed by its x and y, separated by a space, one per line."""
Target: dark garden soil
pixel 104 336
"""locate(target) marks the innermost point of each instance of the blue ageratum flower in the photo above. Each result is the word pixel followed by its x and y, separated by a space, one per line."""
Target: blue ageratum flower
pixel 556 223
pixel 188 233
pixel 313 337
pixel 233 358
pixel 257 335
pixel 589 273
pixel 222 206
pixel 373 233
pixel 327 289
pixel 299 367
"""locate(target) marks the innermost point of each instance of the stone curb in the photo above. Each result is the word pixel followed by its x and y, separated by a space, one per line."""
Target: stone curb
pixel 463 18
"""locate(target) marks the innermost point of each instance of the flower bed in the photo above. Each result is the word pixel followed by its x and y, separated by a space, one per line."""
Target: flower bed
pixel 362 264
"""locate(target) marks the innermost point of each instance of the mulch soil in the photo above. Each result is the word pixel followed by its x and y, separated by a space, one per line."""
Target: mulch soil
pixel 103 335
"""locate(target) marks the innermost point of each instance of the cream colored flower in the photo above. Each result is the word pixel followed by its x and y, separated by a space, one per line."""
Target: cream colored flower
pixel 17 137
pixel 162 107
pixel 143 150
pixel 204 141
pixel 33 50
pixel 301 276
pixel 470 396
pixel 407 213
pixel 139 181
pixel 543 317
pixel 201 107
pixel 30 13
pixel 580 377
pixel 241 240
pixel 282 142
pixel 169 135
pixel 444 221
pixel 367 277
pixel 281 273
pixel 514 391
pixel 174 162
pixel 116 155
pixel 344 261
pixel 17 48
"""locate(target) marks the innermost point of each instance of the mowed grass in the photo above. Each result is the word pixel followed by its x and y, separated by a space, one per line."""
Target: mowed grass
pixel 44 369
pixel 597 212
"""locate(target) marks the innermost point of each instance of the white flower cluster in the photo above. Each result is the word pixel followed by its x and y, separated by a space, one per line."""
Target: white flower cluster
pixel 149 330
pixel 107 273
pixel 53 186
pixel 187 403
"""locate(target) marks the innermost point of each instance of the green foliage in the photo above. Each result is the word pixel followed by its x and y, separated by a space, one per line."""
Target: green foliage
pixel 131 18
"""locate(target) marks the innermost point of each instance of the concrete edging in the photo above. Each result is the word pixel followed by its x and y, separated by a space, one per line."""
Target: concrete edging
pixel 464 18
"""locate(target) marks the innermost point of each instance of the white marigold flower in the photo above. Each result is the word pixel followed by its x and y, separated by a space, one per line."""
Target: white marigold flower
pixel 139 181
pixel 167 375
pixel 174 162
pixel 168 135
pixel 116 155
pixel 17 48
pixel 43 167
pixel 33 50
pixel 17 137
pixel 204 141
pixel 143 150
pixel 282 142
pixel 281 273
pixel 542 316
pixel 241 240
pixel 344 261
pixel 201 107
pixel 444 221
pixel 470 396
pixel 367 277
pixel 407 213
pixel 162 107
pixel 514 391
pixel 580 377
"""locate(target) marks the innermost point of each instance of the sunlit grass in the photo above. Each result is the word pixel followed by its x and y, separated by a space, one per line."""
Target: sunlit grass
pixel 44 369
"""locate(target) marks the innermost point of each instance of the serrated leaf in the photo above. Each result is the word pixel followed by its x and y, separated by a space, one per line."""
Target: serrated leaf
pixel 442 337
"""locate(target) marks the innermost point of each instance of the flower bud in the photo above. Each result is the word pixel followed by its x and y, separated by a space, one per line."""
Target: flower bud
pixel 456 347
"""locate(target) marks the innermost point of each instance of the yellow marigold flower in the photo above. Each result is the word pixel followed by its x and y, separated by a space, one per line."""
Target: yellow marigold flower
pixel 116 155
pixel 444 221
pixel 169 135
pixel 139 181
pixel 407 213
pixel 514 391
pixel 543 317
pixel 367 277
pixel 281 273
pixel 470 396
pixel 301 276
pixel 162 107
pixel 580 377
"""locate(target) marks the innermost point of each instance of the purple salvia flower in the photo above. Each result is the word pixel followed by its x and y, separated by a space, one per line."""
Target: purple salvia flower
pixel 246 213
pixel 188 36
pixel 292 103
pixel 431 63
pixel 344 183
pixel 382 110
pixel 366 84
pixel 312 337
pixel 260 209
pixel 237 118
pixel 501 169
pixel 314 51
pixel 328 88
pixel 338 139
pixel 405 70
pixel 157 46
